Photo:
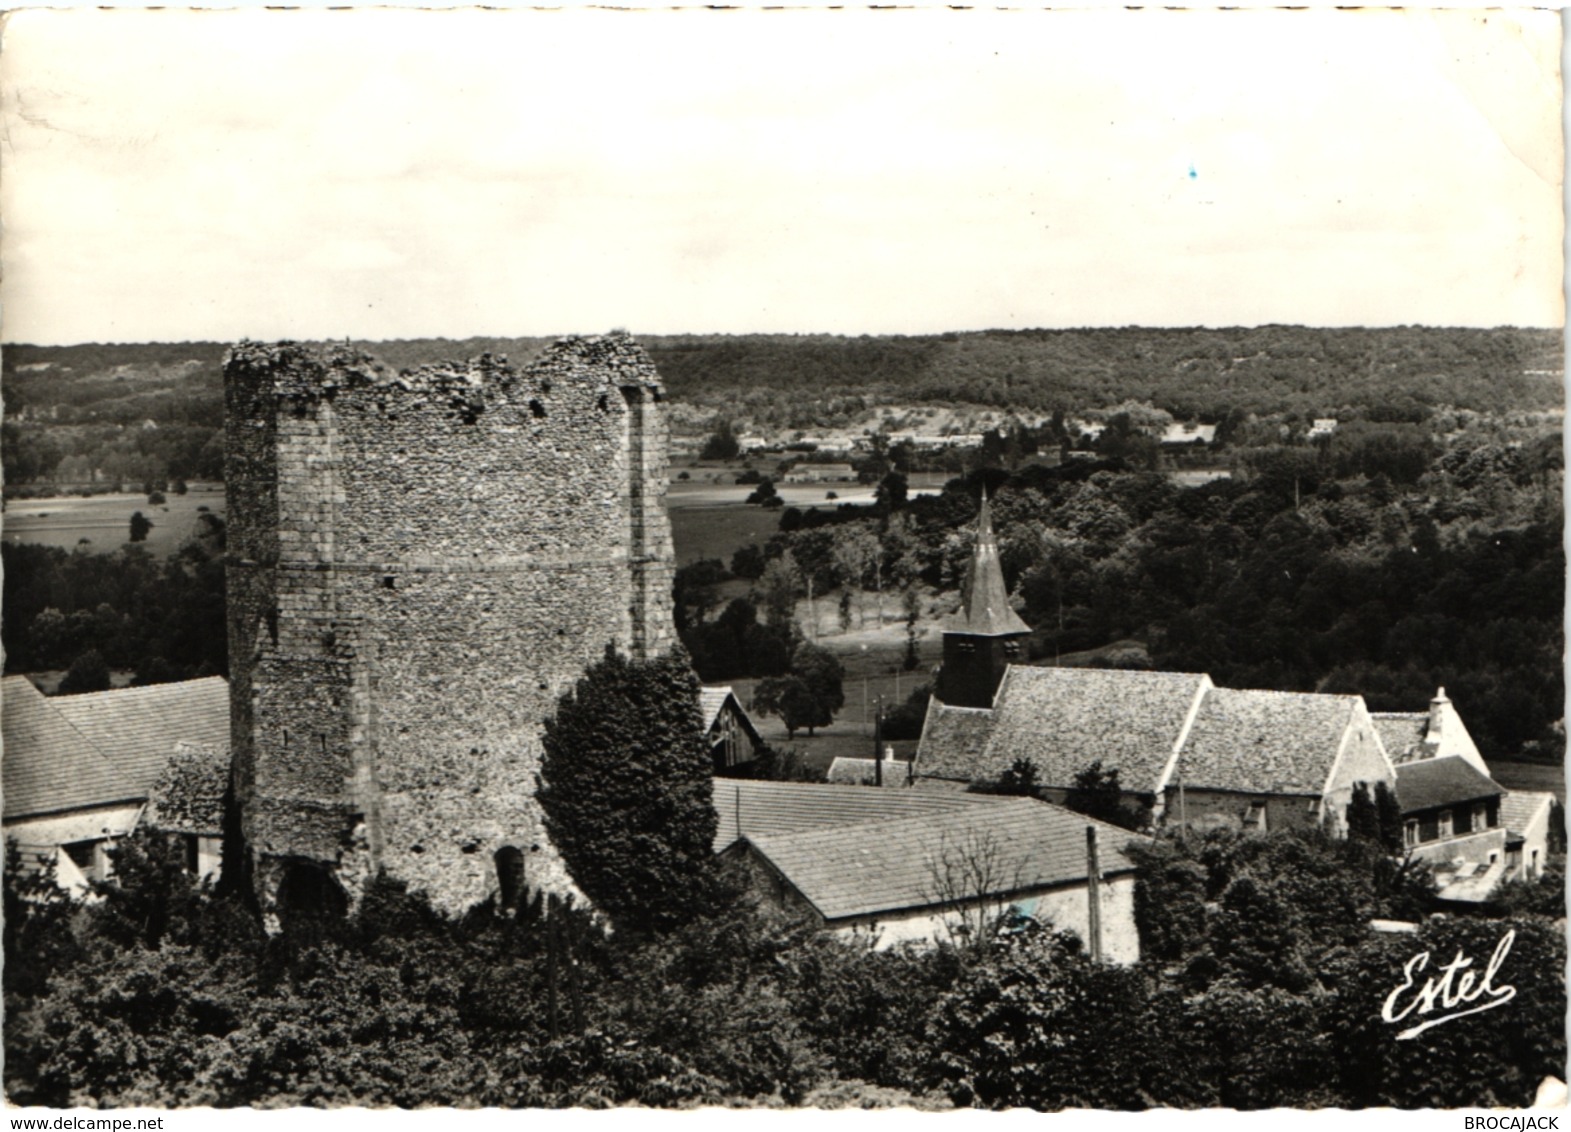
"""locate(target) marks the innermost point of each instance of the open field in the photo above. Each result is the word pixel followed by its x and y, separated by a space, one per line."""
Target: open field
pixel 872 661
pixel 710 520
pixel 105 520
pixel 708 516
pixel 1530 776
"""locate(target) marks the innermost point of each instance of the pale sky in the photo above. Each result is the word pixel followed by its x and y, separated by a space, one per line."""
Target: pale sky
pixel 387 174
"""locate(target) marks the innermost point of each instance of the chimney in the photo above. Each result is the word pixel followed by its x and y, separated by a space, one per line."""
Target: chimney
pixel 1437 713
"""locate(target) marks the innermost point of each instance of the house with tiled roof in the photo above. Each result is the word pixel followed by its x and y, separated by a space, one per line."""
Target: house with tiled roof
pixel 1473 831
pixel 79 770
pixel 1437 733
pixel 1275 760
pixel 1526 815
pixel 1451 818
pixel 932 876
pixel 734 741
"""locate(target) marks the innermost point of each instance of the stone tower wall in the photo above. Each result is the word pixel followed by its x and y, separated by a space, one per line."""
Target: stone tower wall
pixel 419 567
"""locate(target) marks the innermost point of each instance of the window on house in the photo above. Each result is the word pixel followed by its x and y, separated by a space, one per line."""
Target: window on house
pixel 1480 816
pixel 1429 828
pixel 1532 864
pixel 509 878
pixel 1011 648
pixel 1255 816
pixel 1410 832
pixel 1492 813
pixel 1464 822
pixel 1445 823
pixel 84 855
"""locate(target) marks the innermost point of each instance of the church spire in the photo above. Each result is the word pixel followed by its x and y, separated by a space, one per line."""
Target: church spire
pixel 984 601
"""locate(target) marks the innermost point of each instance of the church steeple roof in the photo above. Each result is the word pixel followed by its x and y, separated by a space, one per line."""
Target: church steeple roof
pixel 984 602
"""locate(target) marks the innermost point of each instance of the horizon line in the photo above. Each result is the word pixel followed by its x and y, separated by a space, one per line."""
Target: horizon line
pixel 1190 327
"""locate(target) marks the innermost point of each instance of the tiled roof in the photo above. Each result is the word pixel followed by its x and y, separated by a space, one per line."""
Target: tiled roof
pixel 1519 808
pixel 851 872
pixel 189 794
pixel 50 766
pixel 953 739
pixel 1265 742
pixel 1402 733
pixel 1442 782
pixel 863 772
pixel 1065 719
pixel 984 601
pixel 137 728
pixel 711 701
pixel 758 808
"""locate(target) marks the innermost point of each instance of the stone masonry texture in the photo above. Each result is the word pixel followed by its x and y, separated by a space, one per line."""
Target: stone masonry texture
pixel 419 565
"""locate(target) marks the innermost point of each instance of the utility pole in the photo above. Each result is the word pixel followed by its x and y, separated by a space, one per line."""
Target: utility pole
pixel 864 684
pixel 1093 895
pixel 878 743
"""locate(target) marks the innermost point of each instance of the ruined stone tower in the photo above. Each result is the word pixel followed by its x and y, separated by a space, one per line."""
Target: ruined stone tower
pixel 418 567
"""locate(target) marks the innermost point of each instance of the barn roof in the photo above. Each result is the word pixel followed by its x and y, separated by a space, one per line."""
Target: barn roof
pixel 138 728
pixel 74 752
pixel 712 701
pixel 1448 781
pixel 50 766
pixel 1265 742
pixel 758 808
pixel 1065 719
pixel 854 872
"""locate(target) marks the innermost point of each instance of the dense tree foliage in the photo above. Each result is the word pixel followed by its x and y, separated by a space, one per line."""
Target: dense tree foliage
pixel 88 673
pixel 163 618
pixel 625 786
pixel 161 994
pixel 808 695
pixel 1097 793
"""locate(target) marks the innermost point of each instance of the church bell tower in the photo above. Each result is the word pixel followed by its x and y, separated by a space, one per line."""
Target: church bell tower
pixel 986 636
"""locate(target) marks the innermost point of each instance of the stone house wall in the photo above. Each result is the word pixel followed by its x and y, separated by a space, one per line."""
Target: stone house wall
pixel 419 566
